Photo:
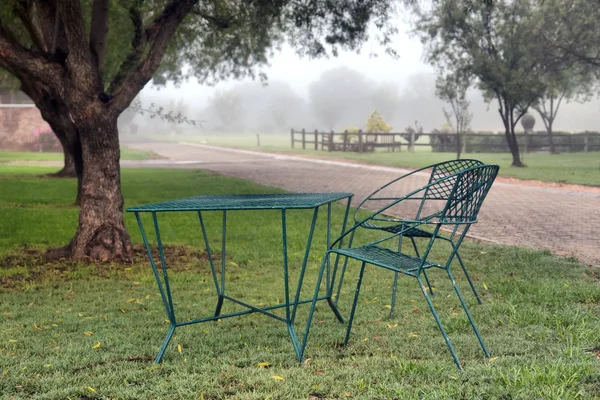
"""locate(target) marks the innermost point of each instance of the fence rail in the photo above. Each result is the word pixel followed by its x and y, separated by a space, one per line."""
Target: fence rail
pixel 440 142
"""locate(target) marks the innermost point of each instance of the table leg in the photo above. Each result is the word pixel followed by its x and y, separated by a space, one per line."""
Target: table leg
pixel 211 262
pixel 165 291
pixel 333 301
pixel 223 257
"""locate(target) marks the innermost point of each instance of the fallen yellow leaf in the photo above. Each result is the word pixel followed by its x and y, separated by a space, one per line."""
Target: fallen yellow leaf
pixel 91 389
pixel 179 348
pixel 88 333
pixel 366 339
pixel 234 264
pixel 389 307
pixel 277 378
pixel 263 364
pixel 392 326
pixel 485 286
pixel 136 283
pixel 412 335
pixel 347 394
pixel 96 345
pixel 12 340
pixel 493 359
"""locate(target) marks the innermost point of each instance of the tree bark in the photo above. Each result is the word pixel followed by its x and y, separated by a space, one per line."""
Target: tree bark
pixel 68 169
pixel 101 233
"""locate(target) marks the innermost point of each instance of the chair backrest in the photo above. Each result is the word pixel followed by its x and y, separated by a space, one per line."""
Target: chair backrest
pixel 437 192
pixel 467 193
pixel 446 169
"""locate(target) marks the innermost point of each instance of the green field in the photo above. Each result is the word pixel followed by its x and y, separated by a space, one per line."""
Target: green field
pixel 126 154
pixel 85 331
pixel 573 168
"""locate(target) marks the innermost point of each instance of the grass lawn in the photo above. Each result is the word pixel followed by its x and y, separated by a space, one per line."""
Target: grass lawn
pixel 90 332
pixel 574 168
pixel 126 154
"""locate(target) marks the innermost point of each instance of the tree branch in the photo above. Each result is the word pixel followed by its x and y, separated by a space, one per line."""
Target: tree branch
pixel 158 35
pixel 138 43
pixel 24 12
pixel 15 57
pixel 79 61
pixel 98 31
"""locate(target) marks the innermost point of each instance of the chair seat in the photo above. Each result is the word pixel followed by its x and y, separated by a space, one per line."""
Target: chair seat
pixel 385 258
pixel 414 232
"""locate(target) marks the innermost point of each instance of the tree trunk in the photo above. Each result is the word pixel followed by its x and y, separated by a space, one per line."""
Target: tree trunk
pixel 513 145
pixel 101 233
pixel 551 138
pixel 68 169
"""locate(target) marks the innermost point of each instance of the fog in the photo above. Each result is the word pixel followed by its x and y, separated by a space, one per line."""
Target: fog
pixel 335 93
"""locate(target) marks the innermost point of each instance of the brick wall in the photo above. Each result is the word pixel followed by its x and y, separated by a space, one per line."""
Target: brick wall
pixel 17 126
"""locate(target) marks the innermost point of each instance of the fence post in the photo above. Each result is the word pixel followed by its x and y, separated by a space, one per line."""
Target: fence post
pixel 526 147
pixel 316 139
pixel 411 143
pixel 258 139
pixel 292 135
pixel 360 141
pixel 345 141
pixel 569 143
pixel 330 146
pixel 463 143
pixel 586 142
pixel 303 139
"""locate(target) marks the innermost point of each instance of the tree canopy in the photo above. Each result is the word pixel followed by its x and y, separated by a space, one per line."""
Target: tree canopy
pixel 84 61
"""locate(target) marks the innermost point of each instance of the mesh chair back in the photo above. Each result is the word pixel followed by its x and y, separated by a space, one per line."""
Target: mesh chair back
pixel 443 170
pixel 469 189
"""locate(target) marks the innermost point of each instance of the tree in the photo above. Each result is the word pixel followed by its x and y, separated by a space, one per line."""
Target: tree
pixel 339 94
pixel 83 62
pixel 575 36
pixel 228 107
pixel 452 88
pixel 569 84
pixel 376 123
pixel 386 98
pixel 497 42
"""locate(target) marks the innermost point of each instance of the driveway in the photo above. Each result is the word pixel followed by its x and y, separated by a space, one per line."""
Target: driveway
pixel 563 221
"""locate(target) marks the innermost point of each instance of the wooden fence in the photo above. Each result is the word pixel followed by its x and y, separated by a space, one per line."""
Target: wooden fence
pixel 441 142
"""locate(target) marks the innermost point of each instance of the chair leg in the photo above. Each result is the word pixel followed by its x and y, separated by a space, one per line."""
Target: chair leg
pixel 351 319
pixel 473 325
pixel 394 289
pixel 462 265
pixel 412 239
pixel 439 323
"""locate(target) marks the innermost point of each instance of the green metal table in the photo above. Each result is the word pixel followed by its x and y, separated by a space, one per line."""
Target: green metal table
pixel 225 203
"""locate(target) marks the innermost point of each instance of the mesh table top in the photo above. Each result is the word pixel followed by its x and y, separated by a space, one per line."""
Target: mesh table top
pixel 244 202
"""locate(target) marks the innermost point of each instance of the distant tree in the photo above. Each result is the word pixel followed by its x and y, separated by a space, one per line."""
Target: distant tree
pixel 576 83
pixel 499 44
pixel 386 98
pixel 283 104
pixel 339 93
pixel 452 88
pixel 376 123
pixel 228 106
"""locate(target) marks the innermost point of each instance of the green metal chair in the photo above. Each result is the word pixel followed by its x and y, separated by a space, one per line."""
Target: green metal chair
pixel 462 195
pixel 438 171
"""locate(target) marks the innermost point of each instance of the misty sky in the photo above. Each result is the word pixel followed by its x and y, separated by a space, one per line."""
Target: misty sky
pixel 299 72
